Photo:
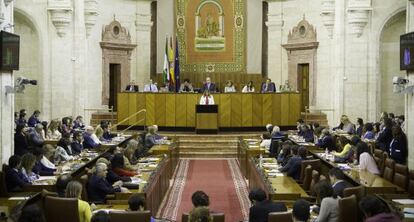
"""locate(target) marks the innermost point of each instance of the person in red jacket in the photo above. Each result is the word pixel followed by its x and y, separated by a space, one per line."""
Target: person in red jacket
pixel 118 166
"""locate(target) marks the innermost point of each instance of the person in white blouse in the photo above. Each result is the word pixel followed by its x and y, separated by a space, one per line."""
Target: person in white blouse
pixel 366 161
pixel 229 87
pixel 53 130
pixel 151 87
pixel 248 88
pixel 207 98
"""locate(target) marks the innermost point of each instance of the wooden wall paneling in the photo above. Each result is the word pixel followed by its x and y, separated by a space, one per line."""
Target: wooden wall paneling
pixel 236 110
pixel 224 110
pixel 141 105
pixel 192 100
pixel 257 110
pixel 132 108
pixel 284 103
pixel 123 107
pixel 181 110
pixel 294 108
pixel 267 109
pixel 276 109
pixel 160 109
pixel 170 113
pixel 150 106
pixel 247 110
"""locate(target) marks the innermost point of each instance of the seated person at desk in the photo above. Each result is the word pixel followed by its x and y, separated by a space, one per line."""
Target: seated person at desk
pixel 337 177
pixel 157 135
pixel 118 166
pixel 284 154
pixel 99 187
pixel 276 133
pixel 268 86
pixel 229 87
pixel 261 206
pixel 269 128
pixel 166 87
pixel 375 210
pixel 360 127
pixel 90 140
pixel 326 141
pixel 248 88
pixel 186 86
pixel 398 145
pixel 28 163
pixel 21 145
pixel 348 152
pixel 132 87
pixel 14 178
pixel 151 138
pixel 209 86
pixel 293 166
pixel 66 126
pixel 76 144
pixel 301 211
pixel 22 119
pixel 137 203
pixel 299 124
pixel 206 98
pixel 201 211
pixel 345 145
pixel 35 138
pixel 329 209
pixel 265 141
pixel 78 123
pixel 306 133
pixel 43 166
pixel 111 176
pixel 63 150
pixel 286 87
pixel 369 132
pixel 74 190
pixel 103 131
pixel 61 183
pixel 34 119
pixel 366 161
pixel 53 130
pixel 151 87
pixel 346 125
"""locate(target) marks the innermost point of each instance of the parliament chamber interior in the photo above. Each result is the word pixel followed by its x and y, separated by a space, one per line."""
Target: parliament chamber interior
pixel 206 111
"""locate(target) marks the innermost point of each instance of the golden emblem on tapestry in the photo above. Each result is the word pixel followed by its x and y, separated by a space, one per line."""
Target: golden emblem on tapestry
pixel 209 27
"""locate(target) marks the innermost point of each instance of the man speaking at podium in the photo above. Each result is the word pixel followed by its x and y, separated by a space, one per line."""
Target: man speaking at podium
pixel 206 98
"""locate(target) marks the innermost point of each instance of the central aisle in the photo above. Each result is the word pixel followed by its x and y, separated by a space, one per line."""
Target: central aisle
pixel 221 179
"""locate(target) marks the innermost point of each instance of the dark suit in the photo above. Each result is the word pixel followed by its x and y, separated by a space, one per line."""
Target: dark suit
pixel 76 147
pixel 339 187
pixel 384 139
pixel 260 211
pixel 270 87
pixel 98 188
pixel 293 167
pixel 326 142
pixel 88 142
pixel 42 170
pixel 35 139
pixel 132 88
pixel 307 135
pixel 20 144
pixel 150 141
pixel 14 180
pixel 398 151
pixel 33 121
pixel 211 87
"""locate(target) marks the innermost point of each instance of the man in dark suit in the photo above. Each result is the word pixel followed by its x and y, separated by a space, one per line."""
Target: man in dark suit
pixel 327 141
pixel 209 86
pixel 14 179
pixel 261 206
pixel 385 135
pixel 34 119
pixel 99 187
pixel 338 183
pixel 294 164
pixel 132 87
pixel 76 145
pixel 268 86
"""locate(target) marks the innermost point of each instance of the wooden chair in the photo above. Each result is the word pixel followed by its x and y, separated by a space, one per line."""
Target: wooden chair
pixel 61 209
pixel 348 207
pixel 316 165
pixel 389 169
pixel 308 178
pixel 379 158
pixel 3 187
pixel 411 184
pixel 400 175
pixel 359 192
pixel 120 216
pixel 315 179
pixel 280 216
pixel 84 181
pixel 217 217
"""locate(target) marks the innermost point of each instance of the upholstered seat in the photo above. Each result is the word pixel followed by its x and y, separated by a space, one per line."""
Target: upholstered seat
pixel 61 209
pixel 389 169
pixel 120 216
pixel 308 178
pixel 316 165
pixel 359 193
pixel 401 175
pixel 411 183
pixel 280 216
pixel 217 217
pixel 347 208
pixel 315 180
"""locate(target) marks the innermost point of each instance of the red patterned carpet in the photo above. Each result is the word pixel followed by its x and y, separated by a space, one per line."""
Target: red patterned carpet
pixel 220 179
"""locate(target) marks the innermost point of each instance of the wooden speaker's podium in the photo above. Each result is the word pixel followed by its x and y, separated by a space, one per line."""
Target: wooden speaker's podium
pixel 206 119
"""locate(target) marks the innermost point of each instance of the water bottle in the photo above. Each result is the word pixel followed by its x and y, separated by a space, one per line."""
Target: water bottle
pixel 260 160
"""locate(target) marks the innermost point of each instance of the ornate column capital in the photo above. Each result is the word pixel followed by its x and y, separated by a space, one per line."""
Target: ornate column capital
pixel 358 12
pixel 328 15
pixel 91 15
pixel 61 15
pixel 143 22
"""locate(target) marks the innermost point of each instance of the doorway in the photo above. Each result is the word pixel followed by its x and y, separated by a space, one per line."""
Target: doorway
pixel 114 84
pixel 303 85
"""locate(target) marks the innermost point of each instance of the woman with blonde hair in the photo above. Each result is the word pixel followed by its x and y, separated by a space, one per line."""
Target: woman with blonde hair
pixel 74 190
pixel 53 130
pixel 28 162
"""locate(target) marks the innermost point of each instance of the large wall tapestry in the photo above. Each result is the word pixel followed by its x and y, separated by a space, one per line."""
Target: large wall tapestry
pixel 211 35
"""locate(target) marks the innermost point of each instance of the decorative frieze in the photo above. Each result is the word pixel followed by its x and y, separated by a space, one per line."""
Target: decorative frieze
pixel 358 15
pixel 328 15
pixel 91 15
pixel 60 14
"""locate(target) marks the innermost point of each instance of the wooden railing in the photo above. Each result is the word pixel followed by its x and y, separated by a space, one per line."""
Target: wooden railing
pixel 130 117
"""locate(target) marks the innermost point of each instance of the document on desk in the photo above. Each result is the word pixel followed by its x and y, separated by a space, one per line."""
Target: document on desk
pixel 408 210
pixel 19 198
pixel 404 201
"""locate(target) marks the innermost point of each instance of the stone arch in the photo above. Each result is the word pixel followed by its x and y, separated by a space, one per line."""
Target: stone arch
pixel 30 61
pixel 388 59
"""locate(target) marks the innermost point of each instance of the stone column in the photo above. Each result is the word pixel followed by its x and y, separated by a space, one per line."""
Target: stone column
pixel 143 26
pixel 274 44
pixel 409 98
